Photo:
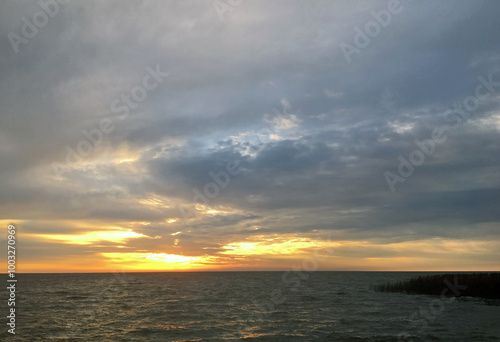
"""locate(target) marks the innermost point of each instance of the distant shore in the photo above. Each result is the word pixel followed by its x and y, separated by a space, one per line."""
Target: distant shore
pixel 483 285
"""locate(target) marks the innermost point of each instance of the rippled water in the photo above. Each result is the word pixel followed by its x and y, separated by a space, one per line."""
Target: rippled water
pixel 255 306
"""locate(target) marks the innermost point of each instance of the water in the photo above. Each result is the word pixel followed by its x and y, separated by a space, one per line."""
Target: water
pixel 231 306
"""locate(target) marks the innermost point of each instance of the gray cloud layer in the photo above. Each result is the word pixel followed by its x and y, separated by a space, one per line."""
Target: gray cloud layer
pixel 267 87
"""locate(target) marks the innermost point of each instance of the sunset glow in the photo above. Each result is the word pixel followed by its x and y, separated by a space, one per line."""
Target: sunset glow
pixel 204 136
pixel 117 236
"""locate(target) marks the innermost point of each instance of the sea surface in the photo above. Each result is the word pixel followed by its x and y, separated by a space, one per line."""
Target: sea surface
pixel 233 306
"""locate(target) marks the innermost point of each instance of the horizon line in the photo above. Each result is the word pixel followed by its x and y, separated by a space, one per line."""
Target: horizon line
pixel 241 271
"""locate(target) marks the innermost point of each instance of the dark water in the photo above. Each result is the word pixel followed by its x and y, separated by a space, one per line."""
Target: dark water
pixel 253 306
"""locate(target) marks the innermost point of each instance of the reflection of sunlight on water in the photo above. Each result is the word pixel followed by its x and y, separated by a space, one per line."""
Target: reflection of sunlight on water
pixel 231 306
pixel 251 333
pixel 171 326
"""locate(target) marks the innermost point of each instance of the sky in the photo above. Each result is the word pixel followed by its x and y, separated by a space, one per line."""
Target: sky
pixel 250 135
